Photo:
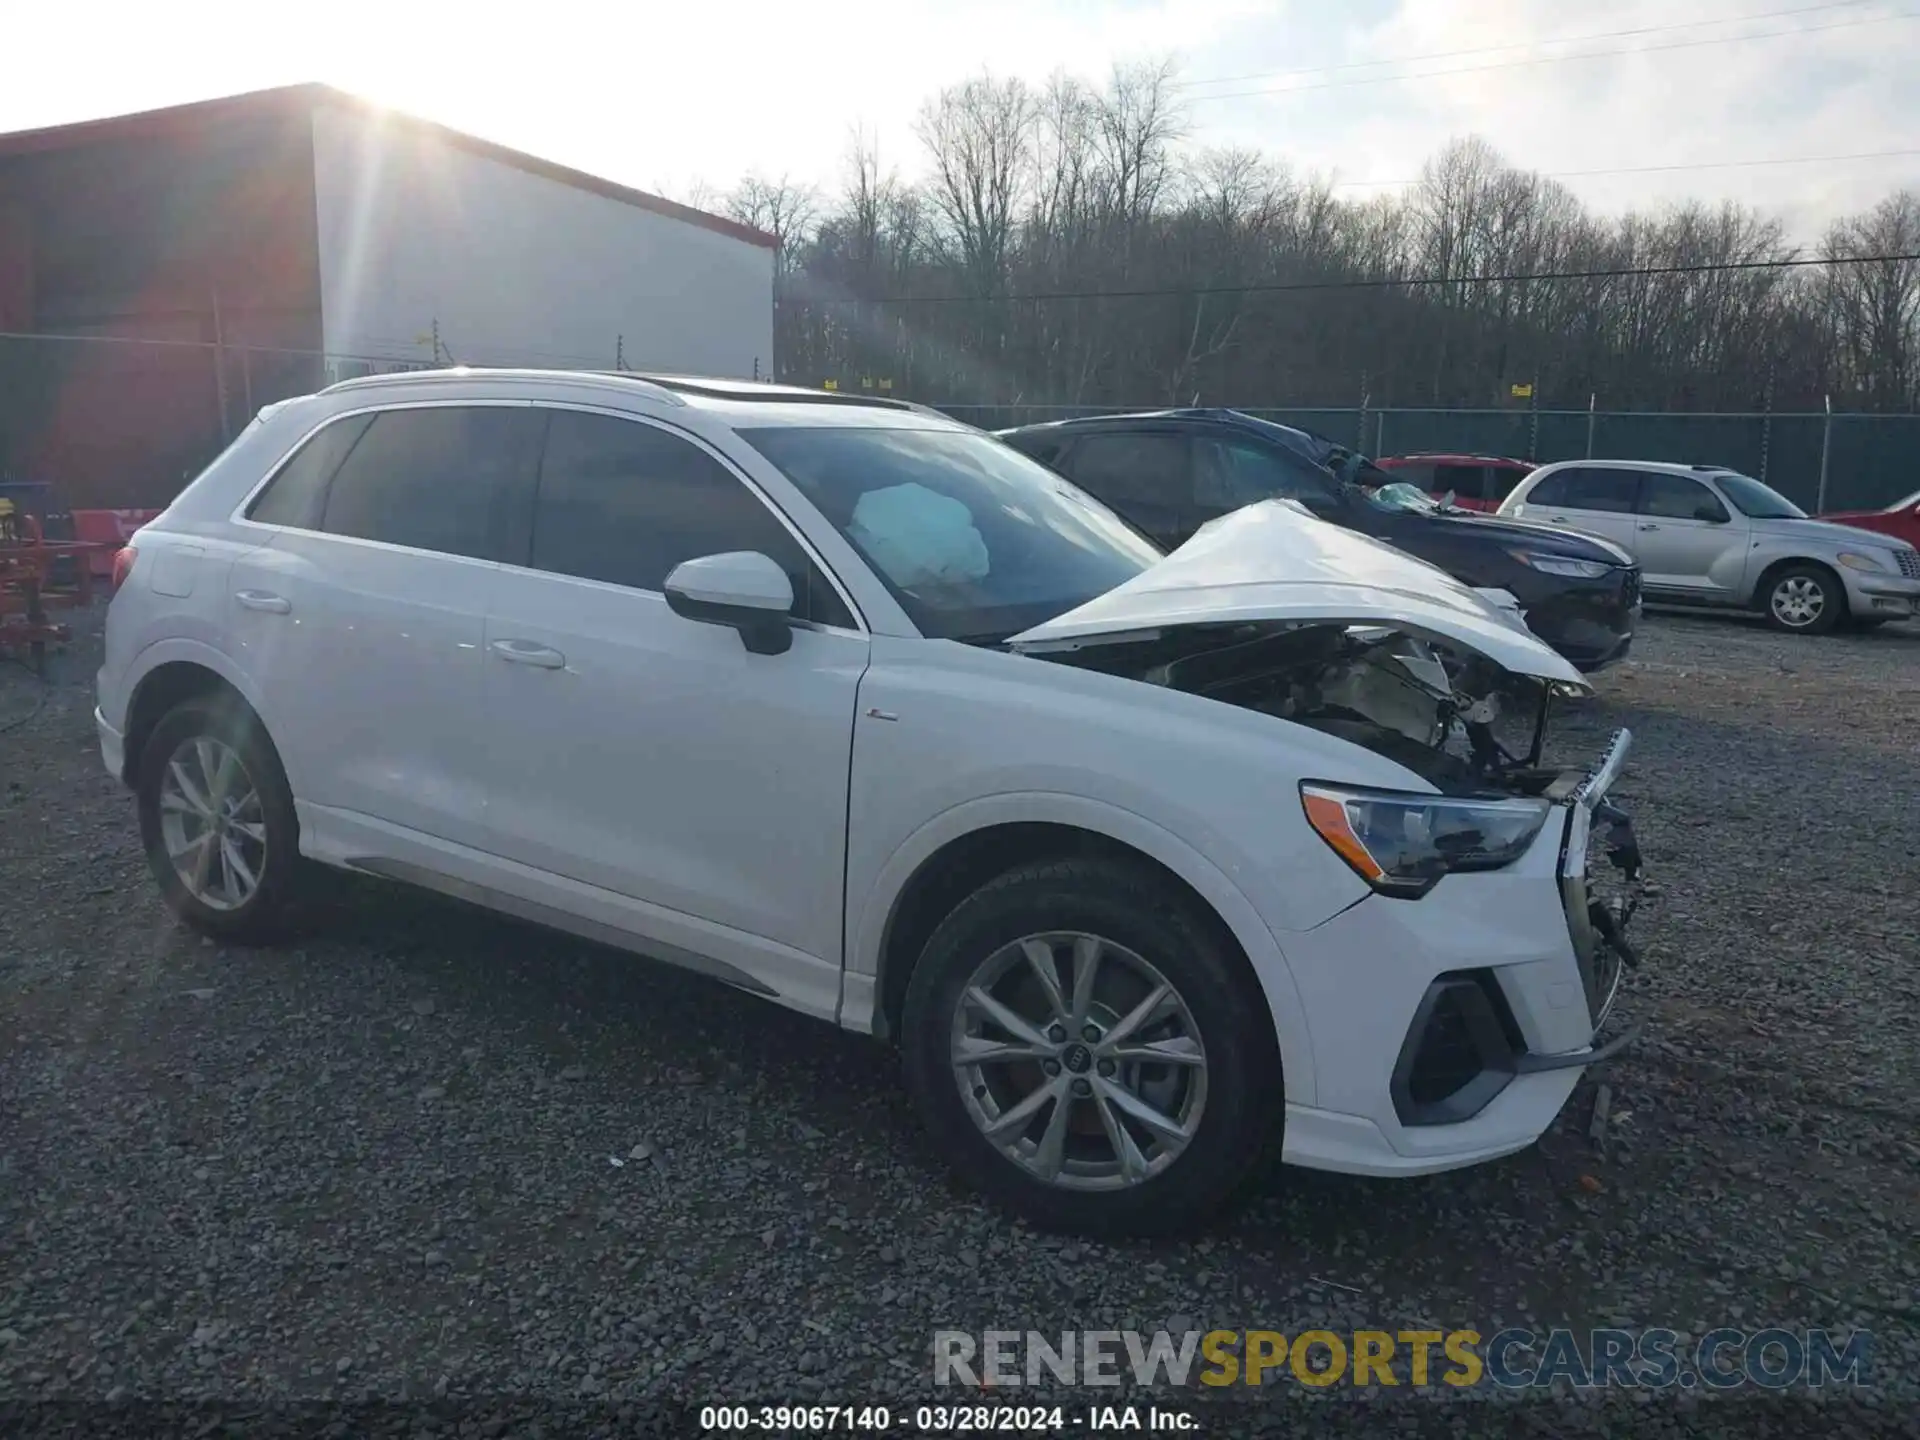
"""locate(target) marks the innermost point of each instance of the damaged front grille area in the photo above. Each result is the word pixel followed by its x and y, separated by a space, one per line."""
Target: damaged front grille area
pixel 1596 922
pixel 1464 1046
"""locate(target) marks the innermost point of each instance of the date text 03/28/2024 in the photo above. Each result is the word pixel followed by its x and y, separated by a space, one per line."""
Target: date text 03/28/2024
pixel 944 1419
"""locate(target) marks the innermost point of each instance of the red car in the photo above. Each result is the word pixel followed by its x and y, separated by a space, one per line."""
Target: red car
pixel 1478 482
pixel 1900 519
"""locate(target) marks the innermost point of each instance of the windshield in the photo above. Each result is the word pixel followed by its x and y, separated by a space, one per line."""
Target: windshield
pixel 975 541
pixel 1756 501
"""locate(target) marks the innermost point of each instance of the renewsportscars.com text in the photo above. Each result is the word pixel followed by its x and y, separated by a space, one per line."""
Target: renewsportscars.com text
pixel 1722 1359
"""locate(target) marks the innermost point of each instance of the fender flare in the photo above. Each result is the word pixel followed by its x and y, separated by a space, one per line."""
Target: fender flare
pixel 179 650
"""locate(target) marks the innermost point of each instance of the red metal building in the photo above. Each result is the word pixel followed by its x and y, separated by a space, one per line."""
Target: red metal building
pixel 246 240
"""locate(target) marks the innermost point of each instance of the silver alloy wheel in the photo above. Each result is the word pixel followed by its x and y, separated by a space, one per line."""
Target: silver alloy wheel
pixel 212 823
pixel 1079 1061
pixel 1797 601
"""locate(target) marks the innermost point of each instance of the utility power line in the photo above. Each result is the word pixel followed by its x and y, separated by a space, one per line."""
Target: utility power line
pixel 1660 169
pixel 1555 59
pixel 1521 45
pixel 1407 282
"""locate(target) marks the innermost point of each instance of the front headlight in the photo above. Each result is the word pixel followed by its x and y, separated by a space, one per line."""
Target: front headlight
pixel 1402 844
pixel 1860 560
pixel 1561 565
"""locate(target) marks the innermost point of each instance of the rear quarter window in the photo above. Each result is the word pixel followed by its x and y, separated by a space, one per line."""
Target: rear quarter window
pixel 1587 489
pixel 297 493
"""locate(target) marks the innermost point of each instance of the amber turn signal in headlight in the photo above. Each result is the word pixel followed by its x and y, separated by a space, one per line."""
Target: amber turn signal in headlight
pixel 1403 844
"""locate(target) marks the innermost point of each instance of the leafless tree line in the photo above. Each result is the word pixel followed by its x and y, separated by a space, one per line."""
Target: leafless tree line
pixel 1075 188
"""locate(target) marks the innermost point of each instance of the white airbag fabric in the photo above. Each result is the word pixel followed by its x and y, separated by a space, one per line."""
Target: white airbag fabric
pixel 918 536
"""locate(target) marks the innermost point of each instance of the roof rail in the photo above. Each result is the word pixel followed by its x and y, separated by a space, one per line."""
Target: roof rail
pixel 709 388
pixel 605 379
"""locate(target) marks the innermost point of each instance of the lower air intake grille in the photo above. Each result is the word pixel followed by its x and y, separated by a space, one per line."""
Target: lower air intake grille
pixel 1458 1054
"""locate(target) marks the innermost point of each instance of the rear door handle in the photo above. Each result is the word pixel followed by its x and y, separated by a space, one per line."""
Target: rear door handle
pixel 1556 519
pixel 527 652
pixel 1649 527
pixel 263 600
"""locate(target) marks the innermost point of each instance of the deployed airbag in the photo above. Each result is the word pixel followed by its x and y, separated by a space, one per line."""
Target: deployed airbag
pixel 917 536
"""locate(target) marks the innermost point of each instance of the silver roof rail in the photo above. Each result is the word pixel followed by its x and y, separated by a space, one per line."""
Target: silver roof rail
pixel 469 375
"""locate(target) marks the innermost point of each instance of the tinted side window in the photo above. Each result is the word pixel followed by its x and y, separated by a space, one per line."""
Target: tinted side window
pixel 1552 489
pixel 1468 482
pixel 1674 497
pixel 434 478
pixel 1232 473
pixel 1501 479
pixel 624 502
pixel 296 496
pixel 1128 470
pixel 1044 448
pixel 1577 489
pixel 1418 473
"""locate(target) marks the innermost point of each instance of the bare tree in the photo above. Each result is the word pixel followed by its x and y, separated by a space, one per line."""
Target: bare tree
pixel 1135 123
pixel 782 208
pixel 980 136
pixel 1876 306
pixel 1166 272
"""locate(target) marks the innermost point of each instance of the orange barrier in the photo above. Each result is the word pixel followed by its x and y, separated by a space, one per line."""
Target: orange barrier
pixel 108 529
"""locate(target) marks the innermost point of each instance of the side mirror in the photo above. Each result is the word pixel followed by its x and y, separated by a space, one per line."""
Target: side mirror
pixel 741 589
pixel 1712 513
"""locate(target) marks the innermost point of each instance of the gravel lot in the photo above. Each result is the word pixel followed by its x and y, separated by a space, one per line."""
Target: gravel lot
pixel 378 1168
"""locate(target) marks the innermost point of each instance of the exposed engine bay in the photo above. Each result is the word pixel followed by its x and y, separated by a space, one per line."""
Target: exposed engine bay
pixel 1433 708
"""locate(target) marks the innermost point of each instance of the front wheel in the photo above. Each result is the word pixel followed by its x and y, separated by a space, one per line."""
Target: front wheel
pixel 1807 599
pixel 217 820
pixel 1087 1052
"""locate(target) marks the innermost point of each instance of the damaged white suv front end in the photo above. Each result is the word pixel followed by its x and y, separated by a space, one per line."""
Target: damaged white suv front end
pixel 1452 1004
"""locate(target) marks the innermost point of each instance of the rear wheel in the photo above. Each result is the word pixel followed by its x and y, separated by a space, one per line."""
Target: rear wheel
pixel 217 820
pixel 1087 1052
pixel 1805 598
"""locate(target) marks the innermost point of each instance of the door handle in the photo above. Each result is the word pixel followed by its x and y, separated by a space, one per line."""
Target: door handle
pixel 263 600
pixel 527 652
pixel 1556 519
pixel 1649 527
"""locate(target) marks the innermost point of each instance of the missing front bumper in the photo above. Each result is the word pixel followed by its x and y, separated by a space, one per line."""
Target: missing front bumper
pixel 1464 1046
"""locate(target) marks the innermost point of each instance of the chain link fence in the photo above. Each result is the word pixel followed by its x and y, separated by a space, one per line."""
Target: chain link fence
pixel 1867 460
pixel 111 421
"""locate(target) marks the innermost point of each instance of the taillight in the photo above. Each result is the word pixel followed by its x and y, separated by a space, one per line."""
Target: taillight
pixel 122 565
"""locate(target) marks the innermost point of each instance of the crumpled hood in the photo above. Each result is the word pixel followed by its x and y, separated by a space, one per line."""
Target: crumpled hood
pixel 1271 562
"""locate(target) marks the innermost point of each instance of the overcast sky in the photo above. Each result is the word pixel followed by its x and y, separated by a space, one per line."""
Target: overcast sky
pixel 666 95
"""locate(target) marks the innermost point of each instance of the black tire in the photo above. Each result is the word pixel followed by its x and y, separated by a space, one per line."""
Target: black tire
pixel 1832 609
pixel 266 914
pixel 1240 1124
